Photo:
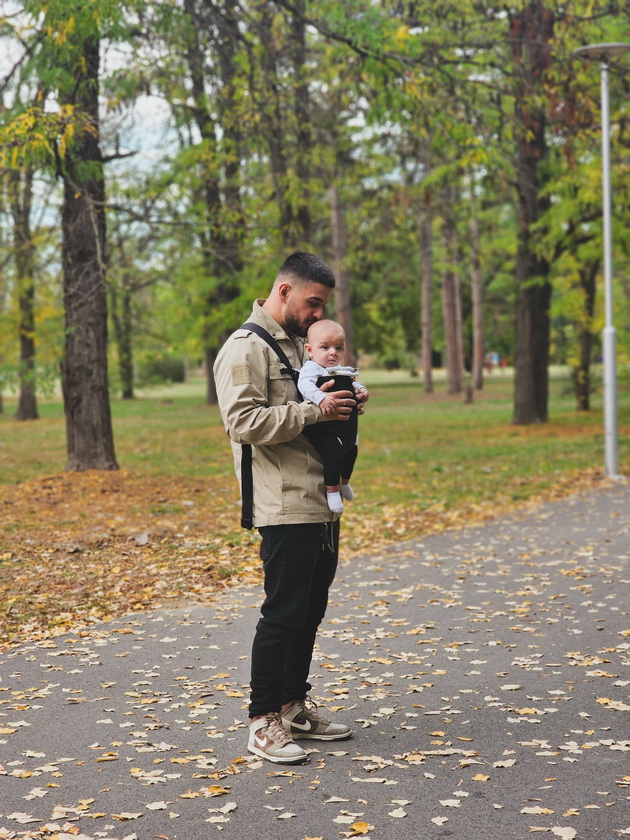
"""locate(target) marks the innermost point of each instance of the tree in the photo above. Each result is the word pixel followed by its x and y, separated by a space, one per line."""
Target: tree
pixel 61 44
pixel 451 296
pixel 531 30
pixel 89 434
pixel 20 192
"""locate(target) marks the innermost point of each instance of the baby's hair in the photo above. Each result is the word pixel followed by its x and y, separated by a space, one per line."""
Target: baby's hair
pixel 327 323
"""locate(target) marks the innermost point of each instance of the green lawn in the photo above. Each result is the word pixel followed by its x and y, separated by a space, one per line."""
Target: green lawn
pixel 415 449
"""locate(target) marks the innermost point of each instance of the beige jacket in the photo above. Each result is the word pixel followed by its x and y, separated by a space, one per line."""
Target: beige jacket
pixel 259 405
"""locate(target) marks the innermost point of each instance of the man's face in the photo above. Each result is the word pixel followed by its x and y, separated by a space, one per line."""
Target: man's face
pixel 303 306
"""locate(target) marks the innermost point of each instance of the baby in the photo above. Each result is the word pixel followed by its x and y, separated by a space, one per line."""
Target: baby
pixel 335 440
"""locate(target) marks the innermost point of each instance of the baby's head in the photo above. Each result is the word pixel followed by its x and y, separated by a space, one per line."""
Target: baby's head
pixel 326 343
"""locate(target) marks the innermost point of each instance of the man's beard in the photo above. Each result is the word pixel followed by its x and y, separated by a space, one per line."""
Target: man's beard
pixel 295 326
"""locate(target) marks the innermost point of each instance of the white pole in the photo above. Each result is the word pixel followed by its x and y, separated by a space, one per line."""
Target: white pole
pixel 603 54
pixel 609 336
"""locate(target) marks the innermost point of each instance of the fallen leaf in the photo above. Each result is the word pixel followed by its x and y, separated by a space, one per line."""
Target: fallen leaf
pixel 360 828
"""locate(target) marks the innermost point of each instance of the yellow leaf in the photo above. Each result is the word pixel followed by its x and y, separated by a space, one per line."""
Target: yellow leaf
pixel 215 790
pixel 360 828
pixel 480 778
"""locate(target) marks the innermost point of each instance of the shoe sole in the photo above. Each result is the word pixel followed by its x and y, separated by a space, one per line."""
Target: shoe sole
pixel 306 736
pixel 276 759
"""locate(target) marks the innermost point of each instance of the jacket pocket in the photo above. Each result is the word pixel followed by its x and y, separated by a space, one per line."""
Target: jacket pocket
pixel 281 386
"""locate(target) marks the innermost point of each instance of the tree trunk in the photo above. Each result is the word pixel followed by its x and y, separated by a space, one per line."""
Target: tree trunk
pixel 342 291
pixel 3 297
pixel 451 306
pixel 531 31
pixel 21 189
pixel 582 371
pixel 476 280
pixel 426 261
pixel 210 357
pixel 90 441
pixel 122 320
pixel 303 128
pixel 223 230
pixel 275 131
pixel 290 145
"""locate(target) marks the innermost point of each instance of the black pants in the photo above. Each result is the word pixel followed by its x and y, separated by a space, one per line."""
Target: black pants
pixel 299 562
pixel 336 440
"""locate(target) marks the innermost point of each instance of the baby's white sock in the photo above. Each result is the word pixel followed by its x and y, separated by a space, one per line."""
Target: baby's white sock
pixel 334 502
pixel 346 492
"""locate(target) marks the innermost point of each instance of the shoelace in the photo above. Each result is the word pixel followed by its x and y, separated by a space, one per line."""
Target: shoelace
pixel 276 731
pixel 310 706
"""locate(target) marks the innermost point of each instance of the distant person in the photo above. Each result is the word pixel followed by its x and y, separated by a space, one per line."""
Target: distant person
pixel 262 409
pixel 336 442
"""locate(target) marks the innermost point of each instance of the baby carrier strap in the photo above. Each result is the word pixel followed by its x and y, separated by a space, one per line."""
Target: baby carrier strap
pixel 247 480
pixel 261 332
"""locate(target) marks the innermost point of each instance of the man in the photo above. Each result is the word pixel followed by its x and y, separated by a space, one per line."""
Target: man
pixel 260 406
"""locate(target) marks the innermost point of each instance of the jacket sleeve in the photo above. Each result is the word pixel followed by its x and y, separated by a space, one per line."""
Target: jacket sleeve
pixel 248 409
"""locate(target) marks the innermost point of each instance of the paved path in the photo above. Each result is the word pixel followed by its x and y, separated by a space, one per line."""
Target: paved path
pixel 485 672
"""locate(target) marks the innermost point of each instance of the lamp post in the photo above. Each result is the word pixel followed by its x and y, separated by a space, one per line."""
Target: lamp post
pixel 603 53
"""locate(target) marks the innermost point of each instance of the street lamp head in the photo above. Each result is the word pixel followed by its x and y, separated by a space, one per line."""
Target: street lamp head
pixel 602 52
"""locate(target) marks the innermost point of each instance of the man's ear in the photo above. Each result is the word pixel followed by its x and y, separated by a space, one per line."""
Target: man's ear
pixel 284 290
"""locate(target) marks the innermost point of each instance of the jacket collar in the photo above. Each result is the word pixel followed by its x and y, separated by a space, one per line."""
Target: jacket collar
pixel 261 316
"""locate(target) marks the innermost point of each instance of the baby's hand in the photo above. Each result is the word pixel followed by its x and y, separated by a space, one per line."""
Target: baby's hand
pixel 327 405
pixel 362 396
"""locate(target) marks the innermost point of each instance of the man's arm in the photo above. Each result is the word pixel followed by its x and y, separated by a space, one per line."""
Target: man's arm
pixel 242 381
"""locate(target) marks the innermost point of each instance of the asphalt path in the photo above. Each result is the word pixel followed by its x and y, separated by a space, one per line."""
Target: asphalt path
pixel 484 672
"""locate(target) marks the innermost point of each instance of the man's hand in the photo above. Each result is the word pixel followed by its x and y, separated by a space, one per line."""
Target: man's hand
pixel 341 403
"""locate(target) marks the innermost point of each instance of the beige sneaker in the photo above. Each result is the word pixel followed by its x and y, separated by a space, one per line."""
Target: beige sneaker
pixel 303 721
pixel 268 740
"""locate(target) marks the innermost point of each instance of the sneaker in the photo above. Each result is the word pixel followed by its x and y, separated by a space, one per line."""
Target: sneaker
pixel 303 721
pixel 268 739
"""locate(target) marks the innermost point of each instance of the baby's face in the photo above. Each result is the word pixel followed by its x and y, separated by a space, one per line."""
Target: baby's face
pixel 328 348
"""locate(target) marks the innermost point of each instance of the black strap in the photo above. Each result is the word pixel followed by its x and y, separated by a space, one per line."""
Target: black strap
pixel 247 487
pixel 261 332
pixel 247 480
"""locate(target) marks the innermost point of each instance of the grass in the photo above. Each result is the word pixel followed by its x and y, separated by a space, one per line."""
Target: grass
pixel 76 548
pixel 414 448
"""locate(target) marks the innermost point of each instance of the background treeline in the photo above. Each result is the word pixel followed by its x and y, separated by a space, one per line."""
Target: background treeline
pixel 159 160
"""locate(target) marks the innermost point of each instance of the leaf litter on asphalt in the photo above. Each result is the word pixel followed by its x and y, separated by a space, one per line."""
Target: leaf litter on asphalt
pixel 490 652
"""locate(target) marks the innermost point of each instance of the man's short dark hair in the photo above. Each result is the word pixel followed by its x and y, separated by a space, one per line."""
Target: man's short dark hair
pixel 308 268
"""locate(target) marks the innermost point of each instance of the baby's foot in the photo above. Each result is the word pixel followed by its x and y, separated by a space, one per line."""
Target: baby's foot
pixel 334 502
pixel 346 492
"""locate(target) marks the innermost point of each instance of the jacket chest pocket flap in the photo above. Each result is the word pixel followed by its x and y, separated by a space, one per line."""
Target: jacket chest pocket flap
pixel 281 386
